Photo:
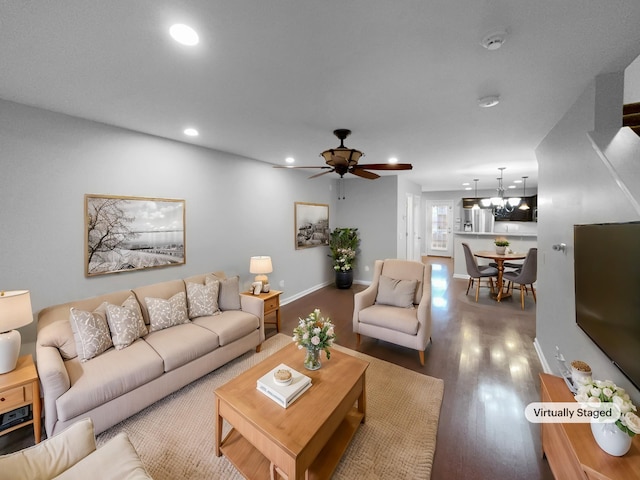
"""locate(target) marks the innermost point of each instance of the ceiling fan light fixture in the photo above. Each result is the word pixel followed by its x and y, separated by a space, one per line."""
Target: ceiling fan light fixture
pixel 393 160
pixel 489 101
pixel 184 34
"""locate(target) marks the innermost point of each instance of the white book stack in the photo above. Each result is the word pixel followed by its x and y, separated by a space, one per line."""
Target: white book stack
pixel 283 395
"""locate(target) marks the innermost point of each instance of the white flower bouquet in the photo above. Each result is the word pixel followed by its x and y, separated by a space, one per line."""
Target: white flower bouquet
pixel 314 332
pixel 596 391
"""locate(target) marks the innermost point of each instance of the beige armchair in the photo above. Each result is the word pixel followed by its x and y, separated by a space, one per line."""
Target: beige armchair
pixel 396 307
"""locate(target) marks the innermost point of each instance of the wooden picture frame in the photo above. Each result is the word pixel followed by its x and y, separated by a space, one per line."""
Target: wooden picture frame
pixel 311 225
pixel 123 234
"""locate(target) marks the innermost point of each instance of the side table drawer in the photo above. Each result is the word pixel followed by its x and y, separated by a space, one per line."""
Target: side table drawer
pixel 271 305
pixel 10 399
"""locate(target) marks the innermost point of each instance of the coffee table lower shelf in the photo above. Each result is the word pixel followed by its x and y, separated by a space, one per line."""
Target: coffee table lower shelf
pixel 252 464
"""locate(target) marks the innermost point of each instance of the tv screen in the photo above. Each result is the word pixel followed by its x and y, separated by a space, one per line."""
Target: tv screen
pixel 607 290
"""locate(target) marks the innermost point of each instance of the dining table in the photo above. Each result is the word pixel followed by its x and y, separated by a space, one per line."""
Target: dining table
pixel 500 258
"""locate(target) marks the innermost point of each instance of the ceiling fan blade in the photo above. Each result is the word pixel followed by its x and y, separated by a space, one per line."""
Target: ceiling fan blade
pixel 386 166
pixel 291 166
pixel 322 173
pixel 364 174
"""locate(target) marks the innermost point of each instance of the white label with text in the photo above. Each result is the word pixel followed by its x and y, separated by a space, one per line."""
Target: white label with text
pixel 572 412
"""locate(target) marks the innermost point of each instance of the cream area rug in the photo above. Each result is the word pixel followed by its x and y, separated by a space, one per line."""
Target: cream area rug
pixel 175 437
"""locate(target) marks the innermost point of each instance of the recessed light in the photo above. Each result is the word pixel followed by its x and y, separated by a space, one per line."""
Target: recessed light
pixel 468 188
pixel 393 160
pixel 290 160
pixel 511 186
pixel 184 34
pixel 465 184
pixel 489 101
pixel 191 132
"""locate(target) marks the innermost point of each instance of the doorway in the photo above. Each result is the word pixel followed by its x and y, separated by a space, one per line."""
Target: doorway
pixel 438 228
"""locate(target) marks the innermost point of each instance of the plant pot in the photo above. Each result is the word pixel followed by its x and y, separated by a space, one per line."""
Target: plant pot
pixel 500 250
pixel 611 439
pixel 344 279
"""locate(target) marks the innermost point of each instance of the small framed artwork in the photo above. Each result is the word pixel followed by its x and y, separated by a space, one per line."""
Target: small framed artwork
pixel 311 225
pixel 123 234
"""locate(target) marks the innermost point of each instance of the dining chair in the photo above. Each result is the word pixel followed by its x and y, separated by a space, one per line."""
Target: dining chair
pixel 478 272
pixel 526 276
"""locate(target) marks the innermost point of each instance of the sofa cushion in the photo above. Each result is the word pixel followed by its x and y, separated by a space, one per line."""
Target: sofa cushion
pixel 202 300
pixel 106 377
pixel 230 325
pixel 167 313
pixel 52 456
pixel 90 331
pixel 180 344
pixel 125 322
pixel 115 460
pixel 405 320
pixel 395 292
pixel 229 298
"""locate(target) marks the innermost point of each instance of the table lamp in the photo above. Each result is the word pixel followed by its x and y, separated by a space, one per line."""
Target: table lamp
pixel 261 265
pixel 15 312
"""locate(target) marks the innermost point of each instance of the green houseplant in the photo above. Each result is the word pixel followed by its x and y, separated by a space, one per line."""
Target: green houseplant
pixel 344 243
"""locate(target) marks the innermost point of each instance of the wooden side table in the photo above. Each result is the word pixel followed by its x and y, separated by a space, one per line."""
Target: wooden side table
pixel 21 388
pixel 271 305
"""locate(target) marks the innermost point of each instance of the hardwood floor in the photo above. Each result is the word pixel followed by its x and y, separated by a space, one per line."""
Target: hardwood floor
pixel 484 353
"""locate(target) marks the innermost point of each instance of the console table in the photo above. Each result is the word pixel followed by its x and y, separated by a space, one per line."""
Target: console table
pixel 571 449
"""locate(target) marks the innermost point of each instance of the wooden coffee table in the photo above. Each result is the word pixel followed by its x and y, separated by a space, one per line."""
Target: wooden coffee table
pixel 305 440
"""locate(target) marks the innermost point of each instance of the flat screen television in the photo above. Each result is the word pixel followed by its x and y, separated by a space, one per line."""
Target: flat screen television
pixel 607 291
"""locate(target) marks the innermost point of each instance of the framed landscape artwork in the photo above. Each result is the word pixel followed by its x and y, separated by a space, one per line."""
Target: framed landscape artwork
pixel 123 234
pixel 311 225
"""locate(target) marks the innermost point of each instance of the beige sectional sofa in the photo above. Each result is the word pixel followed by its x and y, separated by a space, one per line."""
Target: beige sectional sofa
pixel 80 380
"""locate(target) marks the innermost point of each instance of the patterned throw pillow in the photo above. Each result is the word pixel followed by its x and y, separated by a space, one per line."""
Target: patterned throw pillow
pixel 202 300
pixel 167 313
pixel 230 293
pixel 126 323
pixel 90 331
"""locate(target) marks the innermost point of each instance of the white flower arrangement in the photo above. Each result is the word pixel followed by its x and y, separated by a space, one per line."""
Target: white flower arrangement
pixel 343 259
pixel 596 391
pixel 314 332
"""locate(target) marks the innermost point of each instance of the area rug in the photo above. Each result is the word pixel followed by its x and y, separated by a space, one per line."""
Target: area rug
pixel 175 436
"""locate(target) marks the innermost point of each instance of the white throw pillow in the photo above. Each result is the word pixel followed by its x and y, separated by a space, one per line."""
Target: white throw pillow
pixel 397 293
pixel 202 300
pixel 126 323
pixel 167 313
pixel 90 331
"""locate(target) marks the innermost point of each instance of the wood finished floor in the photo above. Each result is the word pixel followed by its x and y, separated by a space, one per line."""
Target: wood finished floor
pixel 484 353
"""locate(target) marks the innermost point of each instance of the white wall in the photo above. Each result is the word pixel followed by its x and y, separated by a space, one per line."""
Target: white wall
pixel 632 82
pixel 575 186
pixel 235 207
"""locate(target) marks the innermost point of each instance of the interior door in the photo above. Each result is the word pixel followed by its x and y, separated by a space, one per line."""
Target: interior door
pixel 439 229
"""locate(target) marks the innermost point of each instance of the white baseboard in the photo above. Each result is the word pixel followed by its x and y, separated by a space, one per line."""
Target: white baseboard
pixel 543 360
pixel 301 294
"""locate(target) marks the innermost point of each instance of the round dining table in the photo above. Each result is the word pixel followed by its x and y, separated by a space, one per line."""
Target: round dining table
pixel 500 258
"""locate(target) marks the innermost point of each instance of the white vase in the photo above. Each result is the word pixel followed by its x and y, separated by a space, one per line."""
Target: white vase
pixel 500 250
pixel 611 439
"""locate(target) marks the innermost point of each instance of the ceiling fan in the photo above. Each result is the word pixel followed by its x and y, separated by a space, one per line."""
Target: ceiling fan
pixel 345 160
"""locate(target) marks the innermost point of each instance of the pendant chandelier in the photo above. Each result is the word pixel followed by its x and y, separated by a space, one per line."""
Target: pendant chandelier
pixel 499 205
pixel 524 205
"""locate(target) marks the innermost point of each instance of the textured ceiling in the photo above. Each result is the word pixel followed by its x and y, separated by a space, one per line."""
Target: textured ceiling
pixel 272 79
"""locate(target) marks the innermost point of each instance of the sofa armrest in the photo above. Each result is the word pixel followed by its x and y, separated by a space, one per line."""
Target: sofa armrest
pixel 255 306
pixel 54 380
pixel 52 456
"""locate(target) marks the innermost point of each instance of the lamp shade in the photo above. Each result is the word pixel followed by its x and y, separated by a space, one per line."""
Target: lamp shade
pixel 260 265
pixel 15 309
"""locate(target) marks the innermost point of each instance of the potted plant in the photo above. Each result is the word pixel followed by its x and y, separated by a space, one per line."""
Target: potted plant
pixel 501 245
pixel 613 438
pixel 344 243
